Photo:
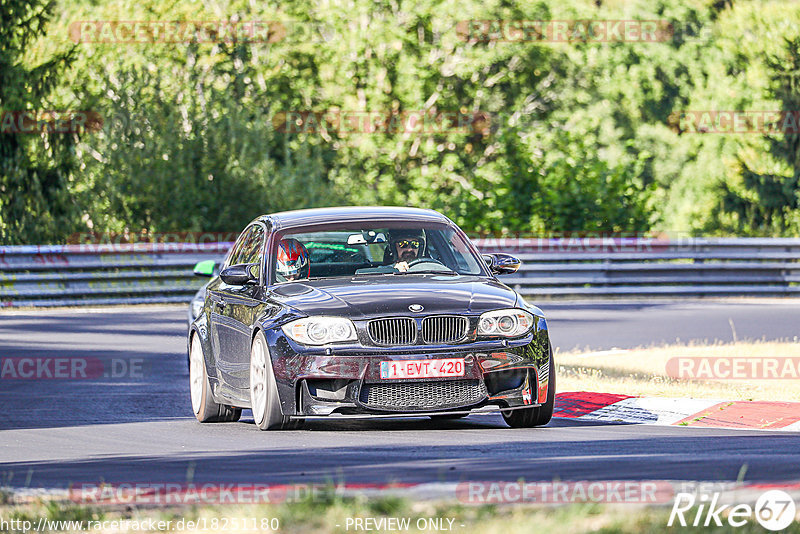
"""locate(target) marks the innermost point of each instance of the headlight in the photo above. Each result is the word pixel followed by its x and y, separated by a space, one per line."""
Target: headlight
pixel 505 323
pixel 320 330
pixel 197 307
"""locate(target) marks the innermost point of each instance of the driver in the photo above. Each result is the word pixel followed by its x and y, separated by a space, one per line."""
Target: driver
pixel 406 246
pixel 293 261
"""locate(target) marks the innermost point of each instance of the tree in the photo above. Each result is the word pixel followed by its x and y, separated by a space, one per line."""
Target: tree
pixel 764 202
pixel 182 151
pixel 35 169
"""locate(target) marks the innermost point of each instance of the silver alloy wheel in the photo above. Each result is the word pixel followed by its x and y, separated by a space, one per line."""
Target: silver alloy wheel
pixel 196 375
pixel 258 380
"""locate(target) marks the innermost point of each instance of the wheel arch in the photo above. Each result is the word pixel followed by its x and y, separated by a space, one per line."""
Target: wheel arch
pixel 201 332
pixel 288 392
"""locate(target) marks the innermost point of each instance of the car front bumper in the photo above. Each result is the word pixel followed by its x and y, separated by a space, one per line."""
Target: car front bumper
pixel 347 383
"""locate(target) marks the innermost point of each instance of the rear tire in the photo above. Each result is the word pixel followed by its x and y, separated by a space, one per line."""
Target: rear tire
pixel 540 415
pixel 264 398
pixel 203 405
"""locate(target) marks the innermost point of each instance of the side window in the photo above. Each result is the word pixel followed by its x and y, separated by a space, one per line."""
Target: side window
pixel 248 248
pixel 251 249
pixel 433 249
pixel 464 258
pixel 236 251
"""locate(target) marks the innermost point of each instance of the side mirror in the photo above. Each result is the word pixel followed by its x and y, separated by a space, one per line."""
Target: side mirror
pixel 502 263
pixel 205 268
pixel 241 274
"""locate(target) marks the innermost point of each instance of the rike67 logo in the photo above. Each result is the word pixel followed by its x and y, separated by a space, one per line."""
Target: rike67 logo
pixel 774 510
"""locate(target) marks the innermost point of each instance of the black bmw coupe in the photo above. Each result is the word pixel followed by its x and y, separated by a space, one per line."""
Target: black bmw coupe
pixel 366 312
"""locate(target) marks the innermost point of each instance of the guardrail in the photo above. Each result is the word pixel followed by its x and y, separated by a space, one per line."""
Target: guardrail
pixel 69 275
pixel 75 275
pixel 610 267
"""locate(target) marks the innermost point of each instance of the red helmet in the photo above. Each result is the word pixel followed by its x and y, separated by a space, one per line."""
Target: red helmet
pixel 293 260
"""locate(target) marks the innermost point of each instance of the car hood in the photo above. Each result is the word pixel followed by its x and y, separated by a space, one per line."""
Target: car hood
pixel 365 297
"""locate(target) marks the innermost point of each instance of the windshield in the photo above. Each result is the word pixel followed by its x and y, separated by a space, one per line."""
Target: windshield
pixel 374 251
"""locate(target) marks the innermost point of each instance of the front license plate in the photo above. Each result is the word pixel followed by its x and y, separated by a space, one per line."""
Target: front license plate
pixel 422 368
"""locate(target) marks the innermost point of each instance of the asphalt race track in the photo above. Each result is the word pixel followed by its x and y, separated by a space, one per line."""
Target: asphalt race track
pixel 131 421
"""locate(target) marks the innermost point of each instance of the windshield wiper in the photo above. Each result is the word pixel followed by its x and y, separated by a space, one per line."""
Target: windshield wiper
pixel 449 273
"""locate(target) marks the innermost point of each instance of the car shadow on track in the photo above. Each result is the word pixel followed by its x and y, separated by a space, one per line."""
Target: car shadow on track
pixel 474 422
pixel 507 456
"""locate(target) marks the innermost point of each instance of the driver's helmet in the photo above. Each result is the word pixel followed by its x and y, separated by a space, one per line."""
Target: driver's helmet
pixel 293 260
pixel 405 234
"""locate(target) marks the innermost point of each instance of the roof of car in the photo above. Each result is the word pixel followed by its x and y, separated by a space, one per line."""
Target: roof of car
pixel 288 219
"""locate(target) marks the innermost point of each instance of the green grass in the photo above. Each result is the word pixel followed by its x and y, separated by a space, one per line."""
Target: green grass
pixel 329 512
pixel 643 372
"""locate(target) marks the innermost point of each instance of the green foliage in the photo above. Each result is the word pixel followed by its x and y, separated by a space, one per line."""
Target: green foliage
pixel 768 202
pixel 578 136
pixel 36 170
pixel 179 153
pixel 569 187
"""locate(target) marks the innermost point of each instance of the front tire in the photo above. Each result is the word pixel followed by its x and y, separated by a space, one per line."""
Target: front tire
pixel 540 415
pixel 264 398
pixel 203 405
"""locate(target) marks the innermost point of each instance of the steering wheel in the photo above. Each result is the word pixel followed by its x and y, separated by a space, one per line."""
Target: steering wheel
pixel 420 261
